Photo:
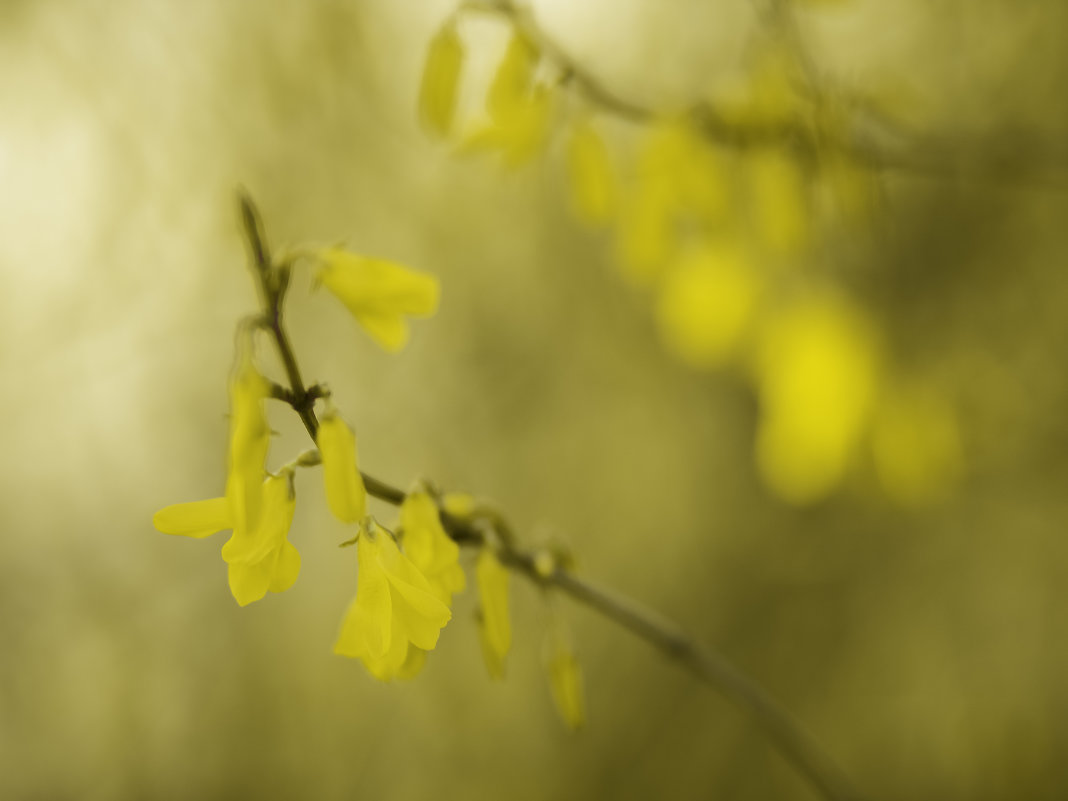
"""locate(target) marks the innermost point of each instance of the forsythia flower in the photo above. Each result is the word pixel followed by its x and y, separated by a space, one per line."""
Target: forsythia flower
pixel 495 629
pixel 379 293
pixel 345 492
pixel 259 559
pixel 250 437
pixel 431 550
pixel 818 374
pixel 265 559
pixel 565 680
pixel 395 615
pixel 441 77
pixel 593 182
pixel 259 512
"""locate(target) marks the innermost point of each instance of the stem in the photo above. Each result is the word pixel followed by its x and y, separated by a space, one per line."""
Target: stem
pixel 787 735
pixel 876 141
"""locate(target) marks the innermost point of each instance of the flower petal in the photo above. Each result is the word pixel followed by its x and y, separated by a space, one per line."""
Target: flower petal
pixel 250 436
pixel 565 680
pixel 493 589
pixel 194 519
pixel 286 568
pixel 249 582
pixel 441 76
pixel 415 607
pixel 278 505
pixel 367 628
pixel 345 492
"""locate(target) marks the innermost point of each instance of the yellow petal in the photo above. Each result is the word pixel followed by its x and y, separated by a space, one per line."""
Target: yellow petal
pixel 367 628
pixel 249 581
pixel 416 610
pixel 818 376
pixel 425 541
pixel 194 519
pixel 286 568
pixel 593 183
pixel 392 663
pixel 441 76
pixel 278 504
pixel 512 81
pixel 264 559
pixel 565 680
pixel 345 492
pixel 378 292
pixel 493 590
pixel 250 436
pixel 706 303
pixel 493 660
pixel 459 504
pixel 390 331
pixel 413 663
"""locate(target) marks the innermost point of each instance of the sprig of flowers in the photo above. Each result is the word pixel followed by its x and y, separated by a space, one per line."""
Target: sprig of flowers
pixel 407 575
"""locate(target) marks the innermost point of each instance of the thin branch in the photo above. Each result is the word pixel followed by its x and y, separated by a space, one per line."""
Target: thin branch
pixel 789 738
pixel 1007 157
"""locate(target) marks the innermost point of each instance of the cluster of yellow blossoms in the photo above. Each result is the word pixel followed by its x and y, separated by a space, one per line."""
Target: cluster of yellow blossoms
pixel 406 576
pixel 717 229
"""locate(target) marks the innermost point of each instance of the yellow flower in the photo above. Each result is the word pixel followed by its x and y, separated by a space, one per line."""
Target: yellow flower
pixel 707 302
pixel 520 134
pixel 495 629
pixel 259 559
pixel 431 550
pixel 818 376
pixel 593 181
pixel 264 559
pixel 565 680
pixel 345 492
pixel 441 77
pixel 512 82
pixel 395 613
pixel 379 293
pixel 250 436
pixel 259 512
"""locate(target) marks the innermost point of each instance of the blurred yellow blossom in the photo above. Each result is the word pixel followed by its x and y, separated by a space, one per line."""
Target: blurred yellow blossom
pixel 495 629
pixel 379 293
pixel 565 679
pixel 519 135
pixel 592 179
pixel 706 303
pixel 345 492
pixel 395 613
pixel 817 373
pixel 441 77
pixel 514 77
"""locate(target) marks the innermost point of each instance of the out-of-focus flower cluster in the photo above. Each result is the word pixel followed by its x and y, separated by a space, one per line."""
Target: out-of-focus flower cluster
pixel 726 220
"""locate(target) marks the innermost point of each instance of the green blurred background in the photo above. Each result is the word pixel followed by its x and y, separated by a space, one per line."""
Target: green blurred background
pixel 923 647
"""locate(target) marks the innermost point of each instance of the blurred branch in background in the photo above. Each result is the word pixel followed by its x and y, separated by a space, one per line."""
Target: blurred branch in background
pixel 830 119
